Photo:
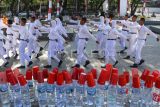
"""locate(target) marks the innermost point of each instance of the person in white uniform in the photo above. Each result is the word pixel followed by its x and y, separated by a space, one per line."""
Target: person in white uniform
pixel 143 31
pixel 24 37
pixel 125 31
pixel 100 36
pixel 53 46
pixel 33 36
pixel 133 33
pixel 9 43
pixel 62 32
pixel 84 36
pixel 2 50
pixel 110 52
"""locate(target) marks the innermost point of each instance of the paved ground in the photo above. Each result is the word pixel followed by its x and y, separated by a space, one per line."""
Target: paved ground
pixel 151 53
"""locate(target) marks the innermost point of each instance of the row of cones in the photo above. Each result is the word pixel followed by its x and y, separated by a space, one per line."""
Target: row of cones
pixel 109 74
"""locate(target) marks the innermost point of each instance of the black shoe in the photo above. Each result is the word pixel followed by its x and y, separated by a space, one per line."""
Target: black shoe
pixel 41 49
pixel 60 63
pixel 95 51
pixel 30 56
pixel 103 66
pixel 38 55
pixel 141 62
pixel 127 57
pixel 7 58
pixel 75 52
pixel 101 58
pixel 47 66
pixel 122 52
pixel 134 66
pixel 15 57
pixel 6 64
pixel 115 63
pixel 30 63
pixel 77 66
pixel 87 63
pixel 21 67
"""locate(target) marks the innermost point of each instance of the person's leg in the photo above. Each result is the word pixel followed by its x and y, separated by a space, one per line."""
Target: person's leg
pixel 30 48
pixel 112 52
pixel 21 54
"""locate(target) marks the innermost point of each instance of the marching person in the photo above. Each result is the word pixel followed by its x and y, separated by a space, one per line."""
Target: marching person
pixel 83 37
pixel 33 45
pixel 110 52
pixel 62 32
pixel 10 41
pixel 133 33
pixel 24 36
pixel 125 31
pixel 143 31
pixel 2 50
pixel 53 46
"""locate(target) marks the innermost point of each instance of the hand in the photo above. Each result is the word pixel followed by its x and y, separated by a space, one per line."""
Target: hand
pixel 97 42
pixel 157 39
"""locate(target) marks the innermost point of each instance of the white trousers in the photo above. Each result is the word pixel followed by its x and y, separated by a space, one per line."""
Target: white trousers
pixel 33 46
pixel 22 53
pixel 139 45
pixel 2 52
pixel 110 51
pixel 123 40
pixel 81 57
pixel 132 44
pixel 52 51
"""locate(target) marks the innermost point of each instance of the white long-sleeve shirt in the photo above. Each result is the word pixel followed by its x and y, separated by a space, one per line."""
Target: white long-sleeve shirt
pixel 84 33
pixel 32 31
pixel 143 31
pixel 53 35
pixel 114 34
pixel 24 33
pixel 132 28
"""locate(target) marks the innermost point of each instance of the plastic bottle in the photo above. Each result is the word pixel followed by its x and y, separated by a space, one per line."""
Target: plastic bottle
pixel 156 94
pixel 31 85
pixel 4 90
pixel 60 91
pixel 144 75
pixel 35 71
pixel 16 92
pixel 136 92
pixel 51 89
pixel 121 91
pixel 80 90
pixel 24 91
pixel 146 97
pixel 108 76
pixel 112 91
pixel 128 86
pixel 41 90
pixel 69 90
pixel 101 89
pixel 91 90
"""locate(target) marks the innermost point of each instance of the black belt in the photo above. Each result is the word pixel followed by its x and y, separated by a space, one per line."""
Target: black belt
pixel 54 40
pixel 142 39
pixel 23 40
pixel 84 39
pixel 10 34
pixel 111 39
pixel 132 33
pixel 125 30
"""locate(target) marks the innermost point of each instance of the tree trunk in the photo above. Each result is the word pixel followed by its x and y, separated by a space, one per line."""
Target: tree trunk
pixel 102 1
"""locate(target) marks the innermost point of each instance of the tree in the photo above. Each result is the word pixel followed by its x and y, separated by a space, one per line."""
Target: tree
pixel 134 5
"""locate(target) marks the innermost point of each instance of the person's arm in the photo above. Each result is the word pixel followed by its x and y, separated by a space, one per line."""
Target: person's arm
pixel 86 31
pixel 120 34
pixel 151 33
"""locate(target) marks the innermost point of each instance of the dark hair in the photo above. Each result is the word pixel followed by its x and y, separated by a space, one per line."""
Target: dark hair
pixel 102 14
pixel 135 16
pixel 111 16
pixel 33 18
pixel 10 21
pixel 84 19
pixel 126 15
pixel 142 19
pixel 24 20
